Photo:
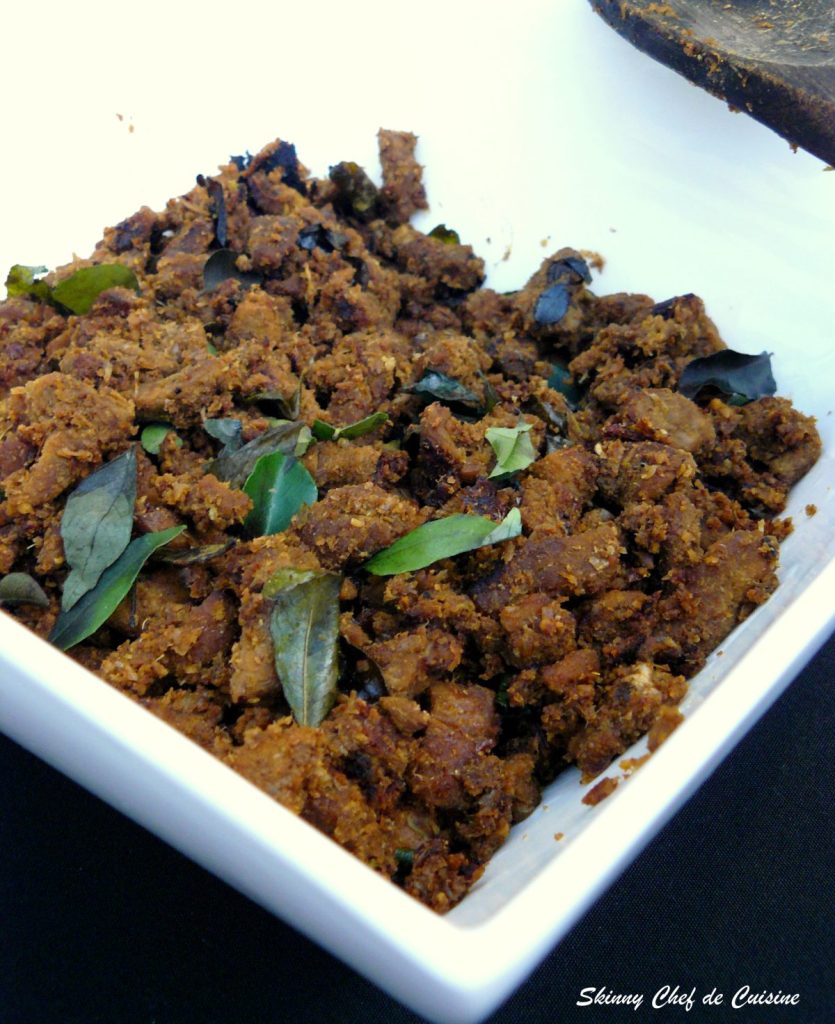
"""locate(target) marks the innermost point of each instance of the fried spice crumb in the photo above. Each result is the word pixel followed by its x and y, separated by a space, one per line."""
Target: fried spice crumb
pixel 599 792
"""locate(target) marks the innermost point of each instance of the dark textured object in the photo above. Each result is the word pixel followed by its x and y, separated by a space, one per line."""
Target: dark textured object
pixel 772 59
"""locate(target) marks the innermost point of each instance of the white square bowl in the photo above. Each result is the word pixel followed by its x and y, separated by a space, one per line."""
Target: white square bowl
pixel 539 128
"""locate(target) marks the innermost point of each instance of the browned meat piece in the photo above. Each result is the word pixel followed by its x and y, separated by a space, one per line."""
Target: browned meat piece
pixel 436 264
pixel 463 725
pixel 599 792
pixel 410 661
pixel 643 471
pixel 350 524
pixel 402 193
pixel 616 623
pixel 338 463
pixel 197 713
pixel 778 435
pixel 658 414
pixel 585 563
pixel 710 598
pixel 538 629
pixel 25 329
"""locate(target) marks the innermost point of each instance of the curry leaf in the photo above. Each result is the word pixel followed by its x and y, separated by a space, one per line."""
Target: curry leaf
pixel 80 290
pixel 21 281
pixel 98 604
pixel 552 305
pixel 356 192
pixel 449 236
pixel 97 523
pixel 435 384
pixel 228 431
pixel 285 436
pixel 21 588
pixel 223 264
pixel 304 627
pixel 325 432
pixel 153 435
pixel 742 376
pixel 562 381
pixel 443 538
pixel 569 268
pixel 279 485
pixel 196 555
pixel 513 447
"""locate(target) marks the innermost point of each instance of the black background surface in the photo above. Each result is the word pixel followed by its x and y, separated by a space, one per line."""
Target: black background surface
pixel 101 923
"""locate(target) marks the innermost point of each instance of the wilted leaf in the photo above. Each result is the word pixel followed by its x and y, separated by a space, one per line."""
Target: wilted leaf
pixel 325 432
pixel 279 485
pixel 743 377
pixel 356 192
pixel 513 448
pixel 434 384
pixel 21 588
pixel 569 268
pixel 98 604
pixel 223 264
pixel 291 438
pixel 196 555
pixel 304 626
pixel 96 524
pixel 228 431
pixel 443 538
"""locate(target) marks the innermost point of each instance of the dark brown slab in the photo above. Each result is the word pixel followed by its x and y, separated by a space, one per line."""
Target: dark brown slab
pixel 772 59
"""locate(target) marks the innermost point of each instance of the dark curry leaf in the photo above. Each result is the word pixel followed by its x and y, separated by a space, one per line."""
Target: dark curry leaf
pixel 221 265
pixel 443 538
pixel 98 604
pixel 667 308
pixel 235 466
pixel 283 157
pixel 218 207
pixel 96 524
pixel 279 485
pixel 287 408
pixel 326 239
pixel 196 555
pixel 569 268
pixel 325 432
pixel 356 192
pixel 513 448
pixel 304 626
pixel 552 304
pixel 434 384
pixel 21 280
pixel 562 381
pixel 743 377
pixel 21 588
pixel 449 236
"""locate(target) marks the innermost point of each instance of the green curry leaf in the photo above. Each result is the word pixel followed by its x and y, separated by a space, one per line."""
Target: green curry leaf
pixel 304 627
pixel 513 448
pixel 98 604
pixel 96 524
pixel 279 485
pixel 443 538
pixel 437 385
pixel 21 280
pixel 79 291
pixel 325 432
pixel 153 435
